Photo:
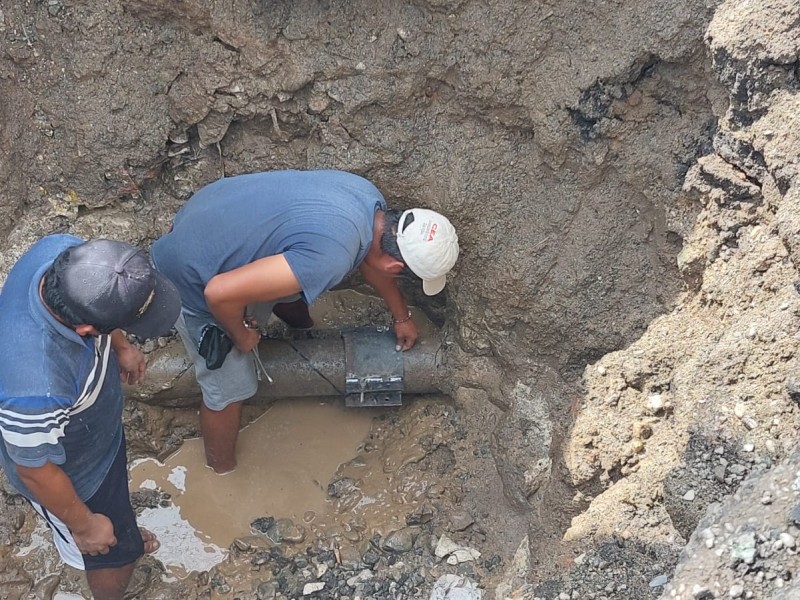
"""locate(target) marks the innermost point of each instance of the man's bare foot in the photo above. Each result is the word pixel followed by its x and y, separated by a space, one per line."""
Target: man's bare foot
pixel 221 470
pixel 151 543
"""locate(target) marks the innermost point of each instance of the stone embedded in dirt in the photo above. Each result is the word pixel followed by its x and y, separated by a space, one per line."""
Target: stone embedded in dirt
pixel 241 544
pixel 401 540
pixel 285 530
pixel 744 549
pixel 340 487
pixel 363 575
pixel 312 588
pixel 267 590
pixel 460 519
pixel 423 514
pixel 445 546
pixel 658 581
pixel 463 555
pixel 655 404
pixel 794 515
pixel 262 524
pixel 455 587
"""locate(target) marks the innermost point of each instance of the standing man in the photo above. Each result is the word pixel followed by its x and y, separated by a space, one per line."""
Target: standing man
pixel 64 309
pixel 280 239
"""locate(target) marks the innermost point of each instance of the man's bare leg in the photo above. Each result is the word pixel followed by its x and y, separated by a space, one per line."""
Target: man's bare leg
pixel 220 430
pixel 294 314
pixel 110 584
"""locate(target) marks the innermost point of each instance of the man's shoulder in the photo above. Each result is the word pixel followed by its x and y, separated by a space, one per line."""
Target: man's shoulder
pixel 52 245
pixel 39 367
pixel 41 252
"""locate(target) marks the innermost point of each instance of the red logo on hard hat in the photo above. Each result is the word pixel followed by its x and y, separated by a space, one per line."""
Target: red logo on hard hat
pixel 432 233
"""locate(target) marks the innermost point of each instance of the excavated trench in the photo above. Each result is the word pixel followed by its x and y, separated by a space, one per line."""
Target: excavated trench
pixel 607 358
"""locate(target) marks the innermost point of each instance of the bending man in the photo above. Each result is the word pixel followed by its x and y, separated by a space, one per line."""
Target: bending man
pixel 63 310
pixel 278 240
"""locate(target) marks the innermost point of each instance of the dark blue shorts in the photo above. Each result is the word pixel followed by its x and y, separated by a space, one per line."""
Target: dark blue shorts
pixel 112 500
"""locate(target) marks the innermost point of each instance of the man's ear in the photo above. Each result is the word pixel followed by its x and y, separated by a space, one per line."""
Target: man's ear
pixel 389 264
pixel 86 330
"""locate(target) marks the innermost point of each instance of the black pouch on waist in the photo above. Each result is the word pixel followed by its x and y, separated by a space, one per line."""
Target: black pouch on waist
pixel 214 346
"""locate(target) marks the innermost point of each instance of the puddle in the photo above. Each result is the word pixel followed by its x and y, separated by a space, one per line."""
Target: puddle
pixel 285 460
pixel 41 537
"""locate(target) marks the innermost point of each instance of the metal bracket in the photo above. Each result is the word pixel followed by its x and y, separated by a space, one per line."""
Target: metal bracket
pixel 374 370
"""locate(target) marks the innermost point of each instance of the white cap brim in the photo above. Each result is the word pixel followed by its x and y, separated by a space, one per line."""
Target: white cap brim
pixel 431 287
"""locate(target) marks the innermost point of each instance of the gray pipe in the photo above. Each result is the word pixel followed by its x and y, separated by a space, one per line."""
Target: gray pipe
pixel 299 367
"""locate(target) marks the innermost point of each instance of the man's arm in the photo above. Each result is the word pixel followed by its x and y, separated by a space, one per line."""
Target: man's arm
pixel 386 286
pixel 228 294
pixel 93 532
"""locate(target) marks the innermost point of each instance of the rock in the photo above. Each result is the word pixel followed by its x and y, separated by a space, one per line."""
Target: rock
pixel 523 439
pixel 445 546
pixel 658 581
pixel 241 544
pixel 423 514
pixel 267 590
pixel 744 549
pixel 285 530
pixel 213 128
pixel 517 572
pixel 262 524
pixel 338 488
pixel 400 541
pixel 655 404
pixel 460 519
pixel 364 575
pixel 311 588
pixel 463 555
pixel 455 587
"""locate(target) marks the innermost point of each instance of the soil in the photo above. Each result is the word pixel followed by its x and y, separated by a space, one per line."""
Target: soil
pixel 621 329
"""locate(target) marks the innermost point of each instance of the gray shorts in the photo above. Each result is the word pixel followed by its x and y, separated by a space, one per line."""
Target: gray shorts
pixel 236 380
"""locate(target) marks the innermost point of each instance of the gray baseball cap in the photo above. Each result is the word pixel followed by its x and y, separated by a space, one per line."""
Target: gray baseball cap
pixel 112 285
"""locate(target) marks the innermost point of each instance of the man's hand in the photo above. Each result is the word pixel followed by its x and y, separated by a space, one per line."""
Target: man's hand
pixel 50 486
pixel 246 339
pixel 131 365
pixel 228 295
pixel 95 536
pixel 131 361
pixel 406 333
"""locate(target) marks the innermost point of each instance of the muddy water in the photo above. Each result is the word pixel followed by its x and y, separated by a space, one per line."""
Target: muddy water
pixel 287 458
pixel 285 461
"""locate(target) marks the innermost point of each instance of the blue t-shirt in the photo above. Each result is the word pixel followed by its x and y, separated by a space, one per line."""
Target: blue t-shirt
pixel 60 393
pixel 321 221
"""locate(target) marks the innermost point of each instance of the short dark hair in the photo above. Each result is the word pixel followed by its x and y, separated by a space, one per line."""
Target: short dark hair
pixel 53 298
pixel 391 218
pixel 391 221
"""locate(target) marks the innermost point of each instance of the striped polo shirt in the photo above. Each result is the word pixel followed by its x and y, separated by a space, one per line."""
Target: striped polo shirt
pixel 60 393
